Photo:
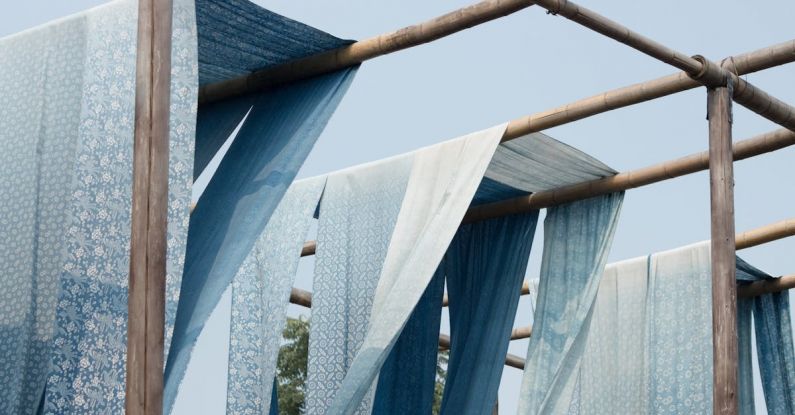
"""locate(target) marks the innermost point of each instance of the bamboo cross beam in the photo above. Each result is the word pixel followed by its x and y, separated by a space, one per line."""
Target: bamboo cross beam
pixel 697 67
pixel 510 359
pixel 363 50
pixel 764 143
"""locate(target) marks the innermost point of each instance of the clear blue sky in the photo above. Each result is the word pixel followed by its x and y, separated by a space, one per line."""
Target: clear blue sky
pixel 525 63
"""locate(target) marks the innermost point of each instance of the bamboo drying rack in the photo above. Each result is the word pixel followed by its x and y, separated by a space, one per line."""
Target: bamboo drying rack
pixel 722 79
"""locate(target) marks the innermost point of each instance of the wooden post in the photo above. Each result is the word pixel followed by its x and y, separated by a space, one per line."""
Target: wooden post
pixel 724 288
pixel 146 303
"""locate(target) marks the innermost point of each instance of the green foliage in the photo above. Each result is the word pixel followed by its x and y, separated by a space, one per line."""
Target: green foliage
pixel 291 369
pixel 291 366
pixel 441 375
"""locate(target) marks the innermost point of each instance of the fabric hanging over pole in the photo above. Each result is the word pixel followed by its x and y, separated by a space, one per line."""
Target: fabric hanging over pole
pixel 577 239
pixel 443 181
pixel 357 216
pixel 279 130
pixel 260 295
pixel 69 228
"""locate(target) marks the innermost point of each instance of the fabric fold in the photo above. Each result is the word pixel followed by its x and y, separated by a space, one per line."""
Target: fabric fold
pixel 441 185
pixel 260 295
pixel 577 239
pixel 485 265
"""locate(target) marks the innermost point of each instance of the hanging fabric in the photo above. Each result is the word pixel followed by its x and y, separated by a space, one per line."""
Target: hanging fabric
pixel 281 126
pixel 774 347
pixel 485 265
pixel 357 215
pixel 486 262
pixel 441 185
pixel 260 295
pixel 406 382
pixel 642 354
pixel 577 239
pixel 68 139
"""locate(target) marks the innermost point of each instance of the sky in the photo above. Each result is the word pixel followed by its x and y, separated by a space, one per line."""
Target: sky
pixel 521 64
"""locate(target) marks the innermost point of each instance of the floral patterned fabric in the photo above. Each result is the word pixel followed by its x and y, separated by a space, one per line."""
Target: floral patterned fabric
pixel 72 85
pixel 260 294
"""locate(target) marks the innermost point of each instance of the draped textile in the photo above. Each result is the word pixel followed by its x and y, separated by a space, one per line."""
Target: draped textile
pixel 577 238
pixel 407 379
pixel 280 128
pixel 67 140
pixel 487 260
pixel 260 295
pixel 485 265
pixel 774 347
pixel 357 215
pixel 441 185
pixel 644 356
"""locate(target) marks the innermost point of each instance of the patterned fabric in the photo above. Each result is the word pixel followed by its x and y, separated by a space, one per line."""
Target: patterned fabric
pixel 643 354
pixel 280 129
pixel 577 239
pixel 774 347
pixel 485 265
pixel 260 295
pixel 357 217
pixel 443 180
pixel 75 195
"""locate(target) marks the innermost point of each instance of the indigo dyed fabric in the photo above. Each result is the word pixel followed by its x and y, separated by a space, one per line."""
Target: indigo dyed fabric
pixel 357 216
pixel 407 379
pixel 67 130
pixel 643 355
pixel 485 265
pixel 577 239
pixel 260 295
pixel 774 346
pixel 442 182
pixel 281 126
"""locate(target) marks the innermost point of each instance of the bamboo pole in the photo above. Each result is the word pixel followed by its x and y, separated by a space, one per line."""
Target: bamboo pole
pixel 766 286
pixel 510 359
pixel 698 68
pixel 724 281
pixel 361 51
pixel 147 280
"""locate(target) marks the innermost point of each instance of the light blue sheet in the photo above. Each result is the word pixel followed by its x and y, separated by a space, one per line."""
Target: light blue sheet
pixel 577 239
pixel 260 295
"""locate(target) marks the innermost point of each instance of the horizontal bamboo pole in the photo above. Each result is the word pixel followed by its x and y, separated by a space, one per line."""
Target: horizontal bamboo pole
pixel 766 286
pixel 698 68
pixel 361 51
pixel 510 359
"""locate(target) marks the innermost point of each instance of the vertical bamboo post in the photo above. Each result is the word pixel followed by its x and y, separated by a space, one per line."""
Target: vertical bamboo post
pixel 724 291
pixel 146 303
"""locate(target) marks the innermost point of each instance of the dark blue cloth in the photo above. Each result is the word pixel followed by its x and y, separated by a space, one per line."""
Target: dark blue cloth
pixel 485 265
pixel 408 377
pixel 280 128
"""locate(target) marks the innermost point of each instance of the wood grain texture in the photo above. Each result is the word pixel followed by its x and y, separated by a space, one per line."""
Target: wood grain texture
pixel 146 302
pixel 724 285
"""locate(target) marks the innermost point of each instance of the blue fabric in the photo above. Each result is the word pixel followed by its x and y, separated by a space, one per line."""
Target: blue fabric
pixel 407 380
pixel 68 91
pixel 260 295
pixel 262 161
pixel 357 216
pixel 237 37
pixel 485 266
pixel 280 128
pixel 577 239
pixel 774 347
